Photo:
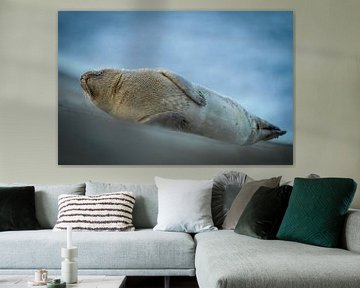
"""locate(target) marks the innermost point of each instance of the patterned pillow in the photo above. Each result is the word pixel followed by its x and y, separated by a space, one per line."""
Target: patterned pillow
pixel 105 212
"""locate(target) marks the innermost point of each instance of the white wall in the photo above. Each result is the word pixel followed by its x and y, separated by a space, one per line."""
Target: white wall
pixel 327 91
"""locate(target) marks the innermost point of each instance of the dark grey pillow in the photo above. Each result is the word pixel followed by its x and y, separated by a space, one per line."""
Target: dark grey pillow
pixel 226 187
pixel 263 214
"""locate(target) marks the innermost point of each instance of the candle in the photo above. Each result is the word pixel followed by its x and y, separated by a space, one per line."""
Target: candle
pixel 69 240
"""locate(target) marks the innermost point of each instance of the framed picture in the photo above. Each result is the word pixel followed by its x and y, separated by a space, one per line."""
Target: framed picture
pixel 179 87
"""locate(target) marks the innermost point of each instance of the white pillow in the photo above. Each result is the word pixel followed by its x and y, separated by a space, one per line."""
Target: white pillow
pixel 184 205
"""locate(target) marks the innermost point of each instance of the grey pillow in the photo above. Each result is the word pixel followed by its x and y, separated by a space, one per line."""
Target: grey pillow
pixel 310 176
pixel 226 187
pixel 243 198
pixel 146 204
pixel 46 200
pixel 184 205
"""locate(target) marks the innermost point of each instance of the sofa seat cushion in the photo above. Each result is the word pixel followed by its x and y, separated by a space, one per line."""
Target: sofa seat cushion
pixel 226 259
pixel 142 249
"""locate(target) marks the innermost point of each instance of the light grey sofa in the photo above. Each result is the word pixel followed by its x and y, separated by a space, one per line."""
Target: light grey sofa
pixel 220 259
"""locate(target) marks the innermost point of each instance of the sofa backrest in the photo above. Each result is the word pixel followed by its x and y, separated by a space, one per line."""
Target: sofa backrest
pixel 146 203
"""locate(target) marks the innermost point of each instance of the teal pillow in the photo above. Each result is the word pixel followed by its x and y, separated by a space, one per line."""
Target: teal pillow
pixel 316 211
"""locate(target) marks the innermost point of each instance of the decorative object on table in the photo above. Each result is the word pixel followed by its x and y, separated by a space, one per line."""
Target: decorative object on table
pixel 40 279
pixel 69 269
pixel 56 283
pixel 41 275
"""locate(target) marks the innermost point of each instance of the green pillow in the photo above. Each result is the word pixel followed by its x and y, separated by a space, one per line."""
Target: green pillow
pixel 316 211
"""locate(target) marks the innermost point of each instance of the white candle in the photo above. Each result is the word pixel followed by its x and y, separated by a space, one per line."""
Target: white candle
pixel 69 239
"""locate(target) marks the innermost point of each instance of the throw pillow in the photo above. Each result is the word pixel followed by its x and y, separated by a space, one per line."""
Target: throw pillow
pixel 226 187
pixel 184 205
pixel 105 212
pixel 243 198
pixel 17 209
pixel 317 209
pixel 263 215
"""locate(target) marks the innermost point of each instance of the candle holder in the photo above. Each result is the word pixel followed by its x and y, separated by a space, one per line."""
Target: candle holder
pixel 69 271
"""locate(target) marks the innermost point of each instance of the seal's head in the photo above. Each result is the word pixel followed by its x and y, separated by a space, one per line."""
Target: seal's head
pixel 100 86
pixel 262 130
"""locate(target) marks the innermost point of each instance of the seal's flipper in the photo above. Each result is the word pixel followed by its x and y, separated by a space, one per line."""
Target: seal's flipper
pixel 185 86
pixel 171 120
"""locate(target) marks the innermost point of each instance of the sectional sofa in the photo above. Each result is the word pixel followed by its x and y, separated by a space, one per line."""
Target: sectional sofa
pixel 218 258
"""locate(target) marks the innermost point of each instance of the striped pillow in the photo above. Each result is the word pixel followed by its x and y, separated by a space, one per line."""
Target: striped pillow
pixel 105 212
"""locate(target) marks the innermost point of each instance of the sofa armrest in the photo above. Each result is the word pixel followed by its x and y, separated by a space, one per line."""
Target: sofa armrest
pixel 351 234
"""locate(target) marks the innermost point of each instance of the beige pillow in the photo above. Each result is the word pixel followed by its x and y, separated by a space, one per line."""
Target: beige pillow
pixel 243 198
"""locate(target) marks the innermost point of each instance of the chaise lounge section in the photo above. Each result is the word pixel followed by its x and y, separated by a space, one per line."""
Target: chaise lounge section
pixel 225 259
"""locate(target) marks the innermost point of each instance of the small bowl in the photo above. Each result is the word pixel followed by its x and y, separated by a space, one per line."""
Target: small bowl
pixel 56 283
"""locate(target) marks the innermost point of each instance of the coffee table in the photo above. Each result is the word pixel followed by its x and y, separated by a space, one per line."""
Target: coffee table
pixel 84 281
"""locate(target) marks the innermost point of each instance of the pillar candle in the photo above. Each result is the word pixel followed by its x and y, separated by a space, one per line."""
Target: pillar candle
pixel 69 237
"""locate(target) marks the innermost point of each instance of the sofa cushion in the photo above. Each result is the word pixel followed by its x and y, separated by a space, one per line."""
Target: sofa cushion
pixel 46 200
pixel 146 205
pixel 317 209
pixel 226 187
pixel 350 239
pixel 263 215
pixel 105 212
pixel 184 205
pixel 142 249
pixel 225 259
pixel 17 208
pixel 243 198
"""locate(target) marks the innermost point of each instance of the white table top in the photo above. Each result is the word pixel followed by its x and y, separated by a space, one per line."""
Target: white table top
pixel 84 281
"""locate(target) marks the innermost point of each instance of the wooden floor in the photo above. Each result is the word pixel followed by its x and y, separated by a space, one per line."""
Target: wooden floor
pixel 158 282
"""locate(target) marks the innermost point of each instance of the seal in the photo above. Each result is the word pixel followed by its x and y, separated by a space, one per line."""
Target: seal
pixel 161 97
